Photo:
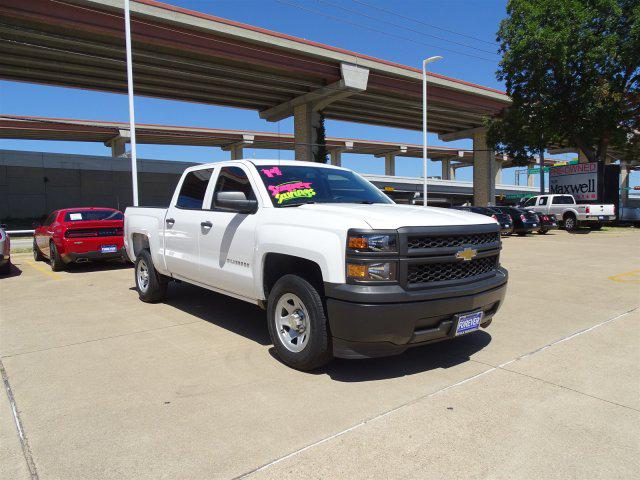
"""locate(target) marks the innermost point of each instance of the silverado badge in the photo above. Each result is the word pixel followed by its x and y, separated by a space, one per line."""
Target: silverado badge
pixel 467 254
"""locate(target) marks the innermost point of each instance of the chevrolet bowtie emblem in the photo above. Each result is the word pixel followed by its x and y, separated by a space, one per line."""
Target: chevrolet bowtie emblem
pixel 467 254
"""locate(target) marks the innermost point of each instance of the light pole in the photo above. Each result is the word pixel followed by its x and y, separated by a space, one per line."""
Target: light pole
pixel 132 118
pixel 424 126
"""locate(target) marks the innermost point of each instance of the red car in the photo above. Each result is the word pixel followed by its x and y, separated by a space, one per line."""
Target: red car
pixel 79 235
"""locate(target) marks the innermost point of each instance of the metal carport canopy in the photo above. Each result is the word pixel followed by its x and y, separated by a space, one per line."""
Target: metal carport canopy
pixel 190 56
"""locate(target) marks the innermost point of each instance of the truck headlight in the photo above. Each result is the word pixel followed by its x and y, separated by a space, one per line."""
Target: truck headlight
pixel 371 271
pixel 372 242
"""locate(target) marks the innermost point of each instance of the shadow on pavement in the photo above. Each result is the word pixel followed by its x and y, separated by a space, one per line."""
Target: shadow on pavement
pixel 444 354
pixel 98 266
pixel 248 320
pixel 239 317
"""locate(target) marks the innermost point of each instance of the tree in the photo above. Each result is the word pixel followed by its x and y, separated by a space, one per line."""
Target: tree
pixel 572 70
pixel 321 154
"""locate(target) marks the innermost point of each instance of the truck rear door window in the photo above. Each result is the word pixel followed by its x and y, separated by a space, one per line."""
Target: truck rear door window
pixel 193 189
pixel 563 200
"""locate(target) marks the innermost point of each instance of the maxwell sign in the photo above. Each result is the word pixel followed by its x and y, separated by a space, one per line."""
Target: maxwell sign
pixel 579 180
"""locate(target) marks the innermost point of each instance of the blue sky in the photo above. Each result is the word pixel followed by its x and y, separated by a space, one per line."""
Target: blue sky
pixel 474 18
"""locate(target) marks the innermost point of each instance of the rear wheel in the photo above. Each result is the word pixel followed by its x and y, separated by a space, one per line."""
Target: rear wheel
pixel 570 223
pixel 298 325
pixel 151 286
pixel 55 261
pixel 37 254
pixel 543 231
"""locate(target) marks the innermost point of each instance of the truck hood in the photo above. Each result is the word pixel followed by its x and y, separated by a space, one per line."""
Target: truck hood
pixel 392 216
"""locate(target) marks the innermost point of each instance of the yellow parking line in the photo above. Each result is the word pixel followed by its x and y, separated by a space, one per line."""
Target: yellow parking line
pixel 629 277
pixel 44 270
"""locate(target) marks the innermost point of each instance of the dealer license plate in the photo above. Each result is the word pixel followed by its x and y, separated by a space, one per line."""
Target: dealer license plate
pixel 506 225
pixel 469 322
pixel 108 249
pixel 535 224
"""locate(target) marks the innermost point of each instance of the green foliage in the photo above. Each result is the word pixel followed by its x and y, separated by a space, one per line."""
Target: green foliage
pixel 572 69
pixel 322 154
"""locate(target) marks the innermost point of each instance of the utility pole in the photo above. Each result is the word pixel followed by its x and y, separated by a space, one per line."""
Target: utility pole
pixel 132 118
pixel 542 192
pixel 425 62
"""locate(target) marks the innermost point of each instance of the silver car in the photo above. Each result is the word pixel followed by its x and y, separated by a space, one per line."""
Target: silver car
pixel 5 251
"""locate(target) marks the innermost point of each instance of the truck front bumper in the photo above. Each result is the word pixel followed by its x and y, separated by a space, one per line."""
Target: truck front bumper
pixel 362 326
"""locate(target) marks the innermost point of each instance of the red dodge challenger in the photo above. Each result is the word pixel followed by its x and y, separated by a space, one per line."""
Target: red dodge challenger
pixel 79 235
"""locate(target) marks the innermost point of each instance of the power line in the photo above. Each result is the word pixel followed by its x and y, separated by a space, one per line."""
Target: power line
pixel 390 12
pixel 382 32
pixel 405 27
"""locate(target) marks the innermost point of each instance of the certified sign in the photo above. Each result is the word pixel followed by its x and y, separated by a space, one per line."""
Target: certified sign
pixel 579 180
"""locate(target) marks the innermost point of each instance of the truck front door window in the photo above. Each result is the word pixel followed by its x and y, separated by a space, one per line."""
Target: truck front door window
pixel 232 179
pixel 193 189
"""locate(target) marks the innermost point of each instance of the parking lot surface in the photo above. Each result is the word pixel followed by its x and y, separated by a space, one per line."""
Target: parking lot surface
pixel 107 387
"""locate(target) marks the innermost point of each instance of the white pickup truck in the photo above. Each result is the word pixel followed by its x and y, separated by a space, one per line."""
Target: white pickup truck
pixel 340 269
pixel 572 214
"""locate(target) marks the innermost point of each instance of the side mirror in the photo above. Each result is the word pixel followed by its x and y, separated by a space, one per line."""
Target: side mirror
pixel 3 226
pixel 236 202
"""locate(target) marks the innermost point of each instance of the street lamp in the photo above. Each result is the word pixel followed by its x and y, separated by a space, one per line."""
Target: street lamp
pixel 424 125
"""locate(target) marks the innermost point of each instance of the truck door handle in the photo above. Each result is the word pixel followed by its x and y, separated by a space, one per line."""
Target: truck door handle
pixel 206 224
pixel 170 221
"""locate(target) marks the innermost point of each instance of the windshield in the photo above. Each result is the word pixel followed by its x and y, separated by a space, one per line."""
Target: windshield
pixel 90 215
pixel 290 185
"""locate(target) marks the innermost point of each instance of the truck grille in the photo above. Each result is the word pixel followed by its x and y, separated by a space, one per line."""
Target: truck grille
pixel 443 241
pixel 440 272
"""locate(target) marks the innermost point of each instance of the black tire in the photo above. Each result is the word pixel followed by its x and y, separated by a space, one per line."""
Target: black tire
pixel 37 254
pixel 318 349
pixel 570 223
pixel 596 226
pixel 543 231
pixel 6 268
pixel 55 261
pixel 156 286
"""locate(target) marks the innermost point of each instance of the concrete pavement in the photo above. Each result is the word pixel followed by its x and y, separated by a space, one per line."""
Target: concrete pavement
pixel 109 387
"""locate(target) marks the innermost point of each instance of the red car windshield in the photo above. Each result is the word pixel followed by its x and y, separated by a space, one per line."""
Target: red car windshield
pixel 92 215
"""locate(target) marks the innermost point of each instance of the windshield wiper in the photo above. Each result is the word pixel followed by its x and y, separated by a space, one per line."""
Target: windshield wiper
pixel 296 204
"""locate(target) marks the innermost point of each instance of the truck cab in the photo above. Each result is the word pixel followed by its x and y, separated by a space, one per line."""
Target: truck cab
pixel 339 268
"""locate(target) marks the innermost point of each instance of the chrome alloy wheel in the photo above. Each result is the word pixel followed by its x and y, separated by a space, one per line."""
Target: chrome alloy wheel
pixel 292 322
pixel 143 276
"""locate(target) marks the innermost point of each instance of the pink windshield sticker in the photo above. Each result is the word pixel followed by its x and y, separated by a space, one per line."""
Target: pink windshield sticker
pixel 272 172
pixel 291 190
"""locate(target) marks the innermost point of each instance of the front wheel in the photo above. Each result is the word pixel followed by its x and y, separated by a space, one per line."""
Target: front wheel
pixel 151 286
pixel 298 324
pixel 543 231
